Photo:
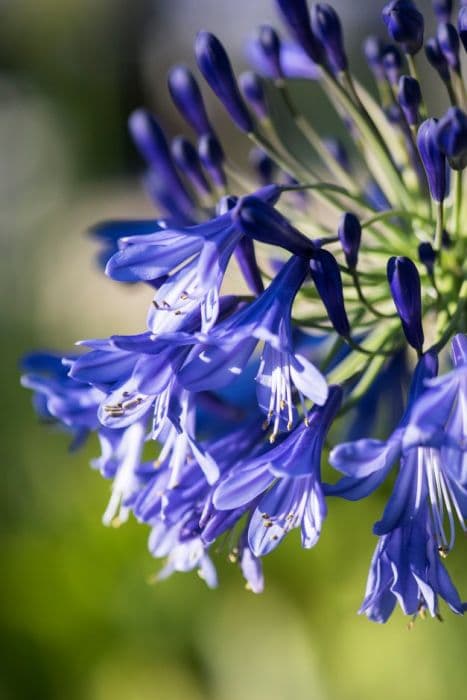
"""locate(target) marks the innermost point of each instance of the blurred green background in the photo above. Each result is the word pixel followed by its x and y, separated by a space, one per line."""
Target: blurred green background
pixel 78 616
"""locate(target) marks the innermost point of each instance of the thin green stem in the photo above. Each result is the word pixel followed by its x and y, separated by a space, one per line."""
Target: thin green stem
pixel 439 206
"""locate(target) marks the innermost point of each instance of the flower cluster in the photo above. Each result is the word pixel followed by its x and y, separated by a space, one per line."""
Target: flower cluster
pixel 214 419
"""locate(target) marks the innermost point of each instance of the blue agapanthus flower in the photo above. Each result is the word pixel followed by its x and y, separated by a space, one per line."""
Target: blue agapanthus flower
pixel 216 420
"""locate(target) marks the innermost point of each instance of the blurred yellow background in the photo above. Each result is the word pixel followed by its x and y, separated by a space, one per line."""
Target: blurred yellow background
pixel 79 619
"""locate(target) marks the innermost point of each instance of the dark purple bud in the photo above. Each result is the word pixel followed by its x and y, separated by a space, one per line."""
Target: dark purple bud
pixel 253 92
pixel 427 256
pixel 296 16
pixel 446 240
pixel 265 168
pixel 392 62
pixel 186 157
pixel 338 151
pixel 187 98
pixel 443 10
pixel 246 259
pixel 410 98
pixel 328 282
pixel 462 25
pixel 350 235
pixel 165 181
pixel 404 282
pixel 269 44
pixel 393 114
pixel 433 159
pixel 452 137
pixel 374 48
pixel 212 157
pixel 405 25
pixel 215 66
pixel 435 58
pixel 259 220
pixel 327 28
pixel 448 40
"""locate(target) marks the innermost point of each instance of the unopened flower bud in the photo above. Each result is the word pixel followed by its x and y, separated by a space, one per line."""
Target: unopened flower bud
pixel 212 157
pixel 427 256
pixel 327 28
pixel 269 44
pixel 443 10
pixel 263 165
pixel 328 282
pixel 433 159
pixel 436 59
pixel 215 66
pixel 452 137
pixel 350 235
pixel 410 98
pixel 404 282
pixel 187 97
pixel 462 25
pixel 374 48
pixel 187 159
pixel 448 40
pixel 253 92
pixel 297 17
pixel 259 220
pixel 392 62
pixel 405 25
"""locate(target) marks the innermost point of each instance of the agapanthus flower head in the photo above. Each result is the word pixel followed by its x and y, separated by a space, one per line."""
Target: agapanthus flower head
pixel 452 137
pixel 327 28
pixel 187 97
pixel 212 419
pixel 405 24
pixel 433 158
pixel 215 66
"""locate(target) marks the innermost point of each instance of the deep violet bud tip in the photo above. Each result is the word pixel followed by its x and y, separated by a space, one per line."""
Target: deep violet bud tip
pixel 215 66
pixel 328 282
pixel 404 282
pixel 187 97
pixel 327 28
pixel 350 234
pixel 405 25
pixel 433 159
pixel 410 98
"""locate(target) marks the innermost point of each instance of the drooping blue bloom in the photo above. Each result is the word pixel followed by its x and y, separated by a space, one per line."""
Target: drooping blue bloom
pixel 204 251
pixel 406 569
pixel 405 24
pixel 427 256
pixel 74 404
pixel 284 484
pixel 225 351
